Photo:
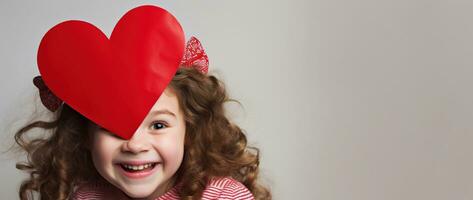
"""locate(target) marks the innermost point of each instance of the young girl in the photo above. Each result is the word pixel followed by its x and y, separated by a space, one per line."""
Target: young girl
pixel 183 148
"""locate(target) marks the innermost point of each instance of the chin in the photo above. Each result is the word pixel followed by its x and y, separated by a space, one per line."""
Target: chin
pixel 138 192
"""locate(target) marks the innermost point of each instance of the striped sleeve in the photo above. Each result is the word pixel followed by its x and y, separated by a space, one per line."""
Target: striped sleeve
pixel 227 189
pixel 96 191
pixel 86 191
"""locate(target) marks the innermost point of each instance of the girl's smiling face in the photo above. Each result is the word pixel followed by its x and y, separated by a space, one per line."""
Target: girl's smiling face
pixel 143 166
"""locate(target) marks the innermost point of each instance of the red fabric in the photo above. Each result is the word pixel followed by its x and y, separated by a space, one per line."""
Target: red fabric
pixel 49 100
pixel 218 188
pixel 195 56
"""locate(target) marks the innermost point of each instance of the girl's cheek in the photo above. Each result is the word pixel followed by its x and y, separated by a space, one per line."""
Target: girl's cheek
pixel 103 146
pixel 171 148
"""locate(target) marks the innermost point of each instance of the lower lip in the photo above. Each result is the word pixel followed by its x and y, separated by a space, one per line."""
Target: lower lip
pixel 139 174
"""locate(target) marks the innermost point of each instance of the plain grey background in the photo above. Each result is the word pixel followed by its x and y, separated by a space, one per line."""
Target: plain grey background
pixel 361 100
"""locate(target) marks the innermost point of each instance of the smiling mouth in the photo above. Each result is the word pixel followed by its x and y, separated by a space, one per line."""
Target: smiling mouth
pixel 138 168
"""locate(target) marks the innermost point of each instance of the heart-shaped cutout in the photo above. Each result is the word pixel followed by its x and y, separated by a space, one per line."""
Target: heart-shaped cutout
pixel 113 82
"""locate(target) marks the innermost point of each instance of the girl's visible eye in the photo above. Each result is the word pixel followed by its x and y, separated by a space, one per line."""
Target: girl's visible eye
pixel 159 125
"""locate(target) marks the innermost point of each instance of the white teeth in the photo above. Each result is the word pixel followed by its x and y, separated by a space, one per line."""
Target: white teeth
pixel 137 167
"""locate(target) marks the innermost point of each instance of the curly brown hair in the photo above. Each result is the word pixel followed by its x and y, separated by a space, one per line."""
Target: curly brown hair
pixel 213 147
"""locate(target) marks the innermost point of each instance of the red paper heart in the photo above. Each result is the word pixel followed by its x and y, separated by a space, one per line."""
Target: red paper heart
pixel 113 82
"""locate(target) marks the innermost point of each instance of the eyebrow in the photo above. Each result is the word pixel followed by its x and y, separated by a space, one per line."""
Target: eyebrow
pixel 165 111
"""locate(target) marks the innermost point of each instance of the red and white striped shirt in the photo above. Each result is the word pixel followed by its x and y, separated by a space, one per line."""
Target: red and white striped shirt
pixel 225 188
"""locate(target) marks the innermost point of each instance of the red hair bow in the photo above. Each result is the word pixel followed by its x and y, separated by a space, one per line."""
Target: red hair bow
pixel 49 100
pixel 194 56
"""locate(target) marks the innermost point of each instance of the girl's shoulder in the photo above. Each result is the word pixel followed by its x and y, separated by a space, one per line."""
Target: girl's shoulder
pixel 97 190
pixel 226 188
pixel 219 188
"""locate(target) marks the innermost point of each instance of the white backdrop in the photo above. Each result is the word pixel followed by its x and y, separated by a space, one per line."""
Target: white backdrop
pixel 360 100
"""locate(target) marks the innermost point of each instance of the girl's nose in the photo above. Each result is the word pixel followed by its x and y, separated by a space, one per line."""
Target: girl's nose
pixel 136 144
